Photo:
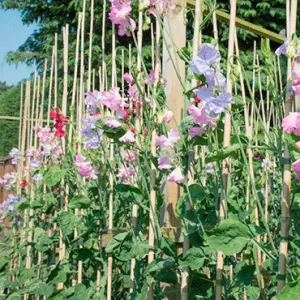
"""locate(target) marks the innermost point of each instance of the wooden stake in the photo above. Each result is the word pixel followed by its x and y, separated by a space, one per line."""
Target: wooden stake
pixel 226 142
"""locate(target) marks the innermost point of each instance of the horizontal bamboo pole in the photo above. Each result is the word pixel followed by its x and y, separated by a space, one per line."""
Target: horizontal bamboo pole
pixel 258 30
pixel 18 118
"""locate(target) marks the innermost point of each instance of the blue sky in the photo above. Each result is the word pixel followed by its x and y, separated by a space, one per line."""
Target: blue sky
pixel 12 34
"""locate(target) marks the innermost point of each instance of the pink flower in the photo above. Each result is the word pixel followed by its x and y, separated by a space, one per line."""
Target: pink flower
pixel 151 77
pixel 133 92
pixel 85 167
pixel 159 7
pixel 164 162
pixel 128 137
pixel 296 166
pixel 113 123
pixel 119 15
pixel 298 144
pixel 128 155
pixel 128 78
pixel 167 117
pixel 125 173
pixel 176 176
pixel 165 142
pixel 115 102
pixel 200 117
pixel 291 122
pixel 196 131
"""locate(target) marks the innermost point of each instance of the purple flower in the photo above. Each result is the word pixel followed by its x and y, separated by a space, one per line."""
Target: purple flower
pixel 16 155
pixel 128 137
pixel 196 131
pixel 208 55
pixel 93 101
pixel 164 162
pixel 93 134
pixel 176 176
pixel 37 177
pixel 282 49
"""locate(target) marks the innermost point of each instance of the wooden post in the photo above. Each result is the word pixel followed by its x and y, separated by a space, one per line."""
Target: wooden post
pixel 174 22
pixel 286 190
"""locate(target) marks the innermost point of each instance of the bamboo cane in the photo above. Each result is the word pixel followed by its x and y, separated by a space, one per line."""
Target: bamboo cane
pixel 50 87
pixel 90 46
pixel 226 142
pixel 20 120
pixel 111 179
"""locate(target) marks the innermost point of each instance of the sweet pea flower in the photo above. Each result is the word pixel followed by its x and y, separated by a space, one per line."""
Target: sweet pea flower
pixel 93 102
pixel 208 55
pixel 200 117
pixel 125 173
pixel 292 123
pixel 176 176
pixel 160 7
pixel 128 137
pixel 119 15
pixel 85 167
pixel 113 123
pixel 128 155
pixel 296 166
pixel 165 142
pixel 167 116
pixel 16 155
pixel 196 131
pixel 128 78
pixel 164 162
pixel 115 102
pixel 37 177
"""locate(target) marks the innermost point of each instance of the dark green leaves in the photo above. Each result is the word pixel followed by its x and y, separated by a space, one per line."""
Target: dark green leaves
pixel 67 222
pixel 80 201
pixel 53 176
pixel 223 153
pixel 230 237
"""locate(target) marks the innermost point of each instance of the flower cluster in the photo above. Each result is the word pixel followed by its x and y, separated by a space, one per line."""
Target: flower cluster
pixel 16 156
pixel 8 180
pixel 93 135
pixel 85 167
pixel 120 15
pixel 9 205
pixel 50 146
pixel 60 122
pixel 167 160
pixel 160 7
pixel 214 97
pixel 125 172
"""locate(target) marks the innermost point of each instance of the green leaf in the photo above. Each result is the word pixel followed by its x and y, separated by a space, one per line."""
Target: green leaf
pixel 245 273
pixel 168 246
pixel 25 275
pixel 140 249
pixel 21 206
pixel 194 259
pixel 80 292
pixel 80 201
pixel 129 193
pixel 67 222
pixel 223 153
pixel 197 193
pixel 53 176
pixel 36 204
pixel 230 237
pixel 290 291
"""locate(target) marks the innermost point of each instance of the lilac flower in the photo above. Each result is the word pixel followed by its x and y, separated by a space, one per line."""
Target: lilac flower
pixel 112 122
pixel 8 180
pixel 164 162
pixel 93 102
pixel 37 177
pixel 92 134
pixel 282 49
pixel 208 55
pixel 16 155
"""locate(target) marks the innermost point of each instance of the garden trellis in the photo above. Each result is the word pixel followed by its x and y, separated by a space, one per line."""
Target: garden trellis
pixel 161 178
